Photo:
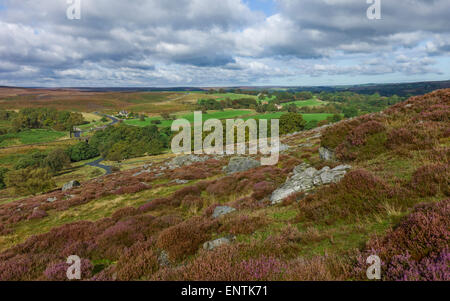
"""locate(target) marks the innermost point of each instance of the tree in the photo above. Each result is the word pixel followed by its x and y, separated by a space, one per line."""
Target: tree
pixel 292 108
pixel 291 122
pixel 350 112
pixel 82 151
pixel 3 172
pixel 29 180
pixel 57 160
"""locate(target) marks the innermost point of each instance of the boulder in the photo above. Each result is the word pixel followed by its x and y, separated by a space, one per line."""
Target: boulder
pixel 185 161
pixel 240 164
pixel 211 245
pixel 180 182
pixel 222 210
pixel 306 178
pixel 141 173
pixel 163 259
pixel 70 185
pixel 327 154
pixel 52 200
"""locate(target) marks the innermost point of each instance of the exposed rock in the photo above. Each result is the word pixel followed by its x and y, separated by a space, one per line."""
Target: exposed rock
pixel 327 154
pixel 240 164
pixel 211 245
pixel 147 166
pixel 70 185
pixel 185 161
pixel 306 178
pixel 306 145
pixel 52 200
pixel 281 148
pixel 140 173
pixel 181 182
pixel 301 168
pixel 163 259
pixel 222 210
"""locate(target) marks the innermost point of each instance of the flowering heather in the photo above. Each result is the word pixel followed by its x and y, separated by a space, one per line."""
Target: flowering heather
pixel 184 239
pixel 430 180
pixel 262 269
pixel 262 189
pixel 404 268
pixel 137 261
pixel 58 271
pixel 243 224
pixel 417 249
pixel 359 135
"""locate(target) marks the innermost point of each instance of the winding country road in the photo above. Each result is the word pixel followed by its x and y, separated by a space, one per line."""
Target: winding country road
pixel 97 162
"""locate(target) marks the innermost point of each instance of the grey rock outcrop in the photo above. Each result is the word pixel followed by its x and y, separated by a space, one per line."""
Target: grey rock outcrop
pixel 52 200
pixel 327 154
pixel 185 161
pixel 70 185
pixel 240 164
pixel 222 210
pixel 306 178
pixel 211 245
pixel 163 259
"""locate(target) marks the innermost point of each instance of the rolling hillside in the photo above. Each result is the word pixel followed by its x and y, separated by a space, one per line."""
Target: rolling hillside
pixel 386 193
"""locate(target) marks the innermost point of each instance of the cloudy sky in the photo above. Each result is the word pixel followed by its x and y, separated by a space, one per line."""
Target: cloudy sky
pixel 222 42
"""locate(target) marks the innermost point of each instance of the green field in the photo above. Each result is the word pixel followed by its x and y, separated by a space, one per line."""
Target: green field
pixel 30 137
pixel 306 103
pixel 307 117
pixel 190 117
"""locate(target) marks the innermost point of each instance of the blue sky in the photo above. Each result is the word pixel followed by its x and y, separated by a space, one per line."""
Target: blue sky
pixel 266 6
pixel 222 43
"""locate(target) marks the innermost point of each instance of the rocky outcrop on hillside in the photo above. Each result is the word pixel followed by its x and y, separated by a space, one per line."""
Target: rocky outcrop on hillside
pixel 70 185
pixel 185 161
pixel 222 210
pixel 306 178
pixel 240 164
pixel 327 154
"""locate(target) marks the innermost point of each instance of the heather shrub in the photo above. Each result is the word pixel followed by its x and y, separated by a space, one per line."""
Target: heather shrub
pixel 153 204
pixel 243 224
pixel 404 268
pixel 417 249
pixel 335 135
pixel 430 180
pixel 262 189
pixel 58 271
pixel 16 268
pixel 137 262
pixel 184 239
pixel 359 135
pixel 124 212
pixel 191 173
pixel 399 137
pixel 318 268
pixel 191 201
pixel 358 193
pixel 38 214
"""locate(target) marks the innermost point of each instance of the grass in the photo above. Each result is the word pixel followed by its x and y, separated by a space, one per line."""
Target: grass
pixel 307 117
pixel 30 137
pixel 314 102
pixel 190 117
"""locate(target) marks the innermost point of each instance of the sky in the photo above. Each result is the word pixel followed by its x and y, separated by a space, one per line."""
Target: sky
pixel 205 43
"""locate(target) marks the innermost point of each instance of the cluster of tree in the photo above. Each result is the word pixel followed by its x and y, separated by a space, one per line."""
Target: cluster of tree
pixel 124 142
pixel 55 160
pixel 37 118
pixel 213 104
pixel 291 122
